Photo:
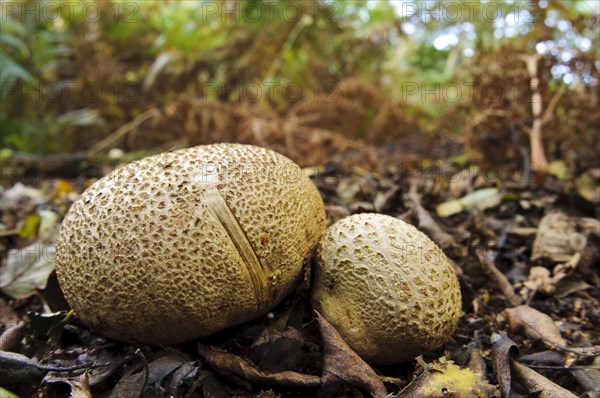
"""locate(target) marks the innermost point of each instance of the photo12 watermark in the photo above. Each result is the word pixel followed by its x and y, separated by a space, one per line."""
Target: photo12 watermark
pixel 71 91
pixel 266 11
pixel 467 11
pixel 453 172
pixel 69 11
pixel 202 11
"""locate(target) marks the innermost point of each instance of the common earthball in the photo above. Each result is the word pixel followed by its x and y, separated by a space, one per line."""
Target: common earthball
pixel 183 244
pixel 386 287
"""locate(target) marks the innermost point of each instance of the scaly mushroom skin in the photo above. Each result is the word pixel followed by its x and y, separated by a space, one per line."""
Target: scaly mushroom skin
pixel 186 243
pixel 386 287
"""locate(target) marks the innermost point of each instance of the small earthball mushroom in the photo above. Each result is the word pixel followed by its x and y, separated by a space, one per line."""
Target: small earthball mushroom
pixel 386 287
pixel 186 243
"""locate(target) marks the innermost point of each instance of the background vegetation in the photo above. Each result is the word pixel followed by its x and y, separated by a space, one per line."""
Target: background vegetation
pixel 337 73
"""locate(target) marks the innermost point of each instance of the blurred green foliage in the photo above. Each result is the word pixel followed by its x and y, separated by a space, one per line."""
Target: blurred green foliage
pixel 35 59
pixel 73 72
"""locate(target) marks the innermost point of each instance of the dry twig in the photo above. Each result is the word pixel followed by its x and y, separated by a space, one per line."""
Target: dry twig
pixel 122 131
pixel 486 259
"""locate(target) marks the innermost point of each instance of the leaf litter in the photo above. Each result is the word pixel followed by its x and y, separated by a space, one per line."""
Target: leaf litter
pixel 528 263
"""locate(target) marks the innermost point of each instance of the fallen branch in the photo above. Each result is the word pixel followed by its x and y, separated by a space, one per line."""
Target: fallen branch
pixel 486 259
pixel 428 224
pixel 536 384
pixel 51 159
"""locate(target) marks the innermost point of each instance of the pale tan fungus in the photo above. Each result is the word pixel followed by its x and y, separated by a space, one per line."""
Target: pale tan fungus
pixel 386 287
pixel 186 243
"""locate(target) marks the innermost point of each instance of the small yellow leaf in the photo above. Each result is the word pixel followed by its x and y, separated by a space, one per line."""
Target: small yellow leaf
pixel 558 169
pixel 478 200
pixel 448 380
pixel 449 208
pixel 30 226
pixel 61 189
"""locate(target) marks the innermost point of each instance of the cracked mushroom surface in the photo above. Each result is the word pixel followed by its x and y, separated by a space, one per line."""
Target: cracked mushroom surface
pixel 183 244
pixel 386 287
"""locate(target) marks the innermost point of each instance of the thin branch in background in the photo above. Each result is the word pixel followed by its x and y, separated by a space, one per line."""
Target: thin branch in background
pixel 122 131
pixel 538 156
pixel 292 36
pixel 548 113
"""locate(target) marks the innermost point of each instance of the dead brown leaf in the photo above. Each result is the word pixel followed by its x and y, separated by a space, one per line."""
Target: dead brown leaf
pixel 232 364
pixel 280 346
pixel 503 346
pixel 162 376
pixel 535 383
pixel 589 378
pixel 7 313
pixel 341 363
pixel 212 387
pixel 16 368
pixel 12 335
pixel 540 278
pixel 132 383
pixel 288 352
pixel 539 326
pixel 536 325
pixel 273 331
pixel 547 357
pixel 557 238
pixel 477 363
pixel 80 387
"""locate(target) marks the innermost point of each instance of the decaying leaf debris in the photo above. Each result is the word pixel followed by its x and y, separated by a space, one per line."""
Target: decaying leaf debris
pixel 295 352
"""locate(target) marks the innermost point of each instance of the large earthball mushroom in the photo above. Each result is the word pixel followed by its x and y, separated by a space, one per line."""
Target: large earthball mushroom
pixel 388 289
pixel 185 243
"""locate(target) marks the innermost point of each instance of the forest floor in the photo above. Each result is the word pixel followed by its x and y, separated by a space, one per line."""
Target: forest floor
pixel 527 256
